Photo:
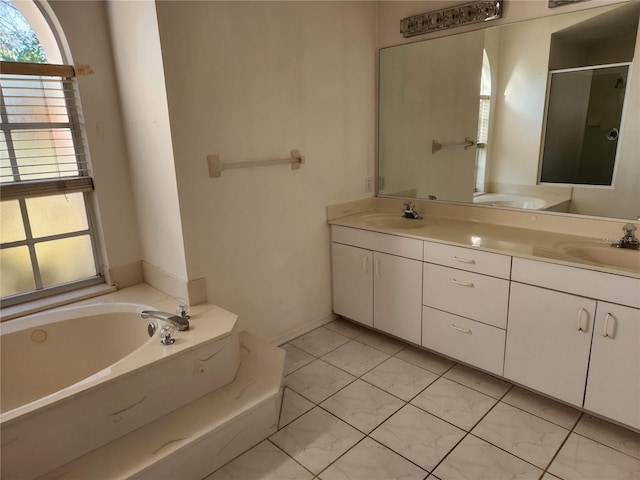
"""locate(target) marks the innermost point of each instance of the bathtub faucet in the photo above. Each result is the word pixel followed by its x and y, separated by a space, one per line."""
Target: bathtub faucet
pixel 181 323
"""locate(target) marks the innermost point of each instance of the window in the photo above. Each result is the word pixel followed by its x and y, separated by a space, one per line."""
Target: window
pixel 47 235
pixel 483 124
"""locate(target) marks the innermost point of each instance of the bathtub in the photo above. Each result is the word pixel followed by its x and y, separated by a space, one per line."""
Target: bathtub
pixel 511 201
pixel 76 378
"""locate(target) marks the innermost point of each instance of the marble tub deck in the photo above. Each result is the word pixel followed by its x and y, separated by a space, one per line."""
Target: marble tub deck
pixel 361 405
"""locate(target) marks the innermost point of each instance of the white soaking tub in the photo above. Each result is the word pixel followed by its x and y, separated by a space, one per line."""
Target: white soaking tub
pixel 76 378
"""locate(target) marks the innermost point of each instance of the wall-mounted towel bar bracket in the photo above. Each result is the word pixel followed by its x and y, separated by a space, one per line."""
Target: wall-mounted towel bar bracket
pixel 435 145
pixel 216 166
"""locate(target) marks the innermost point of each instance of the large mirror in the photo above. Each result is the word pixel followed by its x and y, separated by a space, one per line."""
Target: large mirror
pixel 491 117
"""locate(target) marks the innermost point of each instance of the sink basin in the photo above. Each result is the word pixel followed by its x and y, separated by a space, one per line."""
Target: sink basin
pixel 605 255
pixel 393 221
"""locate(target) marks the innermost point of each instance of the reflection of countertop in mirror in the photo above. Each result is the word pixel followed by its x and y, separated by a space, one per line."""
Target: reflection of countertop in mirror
pixel 520 234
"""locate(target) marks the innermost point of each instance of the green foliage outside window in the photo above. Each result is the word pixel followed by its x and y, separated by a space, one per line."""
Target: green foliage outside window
pixel 18 42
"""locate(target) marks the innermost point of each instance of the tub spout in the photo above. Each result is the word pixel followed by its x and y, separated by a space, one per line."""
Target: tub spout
pixel 181 323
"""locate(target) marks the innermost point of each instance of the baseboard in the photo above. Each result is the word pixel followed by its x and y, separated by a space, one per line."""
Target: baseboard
pixel 302 329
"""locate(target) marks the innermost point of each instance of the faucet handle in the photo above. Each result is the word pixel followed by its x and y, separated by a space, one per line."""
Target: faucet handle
pixel 629 229
pixel 183 311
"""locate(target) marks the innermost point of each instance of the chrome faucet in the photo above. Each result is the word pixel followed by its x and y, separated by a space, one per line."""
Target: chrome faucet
pixel 409 211
pixel 180 322
pixel 629 240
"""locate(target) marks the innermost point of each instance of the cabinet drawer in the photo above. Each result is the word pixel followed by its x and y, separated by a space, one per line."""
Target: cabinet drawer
pixel 380 242
pixel 468 294
pixel 471 342
pixel 468 259
pixel 580 281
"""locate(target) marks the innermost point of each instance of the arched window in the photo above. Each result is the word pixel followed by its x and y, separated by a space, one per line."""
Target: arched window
pixel 47 239
pixel 483 123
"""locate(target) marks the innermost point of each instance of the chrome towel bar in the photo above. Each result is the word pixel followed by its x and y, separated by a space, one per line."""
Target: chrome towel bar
pixel 435 145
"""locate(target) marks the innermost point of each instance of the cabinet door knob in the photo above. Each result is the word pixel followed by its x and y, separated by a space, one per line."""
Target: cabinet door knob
pixel 609 325
pixel 583 320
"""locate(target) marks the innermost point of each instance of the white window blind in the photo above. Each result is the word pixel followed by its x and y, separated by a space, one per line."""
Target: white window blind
pixel 42 150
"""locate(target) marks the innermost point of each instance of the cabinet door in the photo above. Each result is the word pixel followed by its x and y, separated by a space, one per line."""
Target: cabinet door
pixel 398 296
pixel 548 340
pixel 613 384
pixel 352 282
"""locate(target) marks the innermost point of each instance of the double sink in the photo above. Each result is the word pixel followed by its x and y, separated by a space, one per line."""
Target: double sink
pixel 590 252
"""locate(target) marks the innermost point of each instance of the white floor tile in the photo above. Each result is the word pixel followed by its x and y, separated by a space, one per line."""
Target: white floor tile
pixel 355 358
pixel 362 405
pixel 418 436
pixel 609 434
pixel 522 434
pixel 400 378
pixel 483 382
pixel 427 360
pixel 582 459
pixel 454 402
pixel 371 461
pixel 293 405
pixel 475 459
pixel 265 461
pixel 542 407
pixel 319 342
pixel 382 342
pixel 318 380
pixel 295 358
pixel 346 328
pixel 316 439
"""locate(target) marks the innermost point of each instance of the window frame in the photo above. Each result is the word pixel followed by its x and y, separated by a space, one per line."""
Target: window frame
pixel 23 190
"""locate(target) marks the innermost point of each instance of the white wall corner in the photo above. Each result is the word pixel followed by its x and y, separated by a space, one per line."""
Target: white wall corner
pixel 302 329
pixel 197 290
pixel 125 275
pixel 164 281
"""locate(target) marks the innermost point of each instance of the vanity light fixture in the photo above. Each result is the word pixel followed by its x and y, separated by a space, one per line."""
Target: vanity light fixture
pixel 472 12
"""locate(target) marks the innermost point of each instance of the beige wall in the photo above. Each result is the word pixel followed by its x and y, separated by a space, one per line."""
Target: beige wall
pixel 87 31
pixel 136 46
pixel 251 81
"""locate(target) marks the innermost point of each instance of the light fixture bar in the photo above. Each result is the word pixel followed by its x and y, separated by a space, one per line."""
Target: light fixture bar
pixel 472 12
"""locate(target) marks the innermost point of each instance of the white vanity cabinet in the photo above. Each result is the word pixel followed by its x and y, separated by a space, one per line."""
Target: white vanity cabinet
pixel 548 341
pixel 613 382
pixel 377 280
pixel 352 282
pixel 465 297
pixel 555 312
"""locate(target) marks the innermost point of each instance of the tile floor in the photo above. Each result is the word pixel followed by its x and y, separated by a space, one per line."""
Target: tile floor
pixel 361 405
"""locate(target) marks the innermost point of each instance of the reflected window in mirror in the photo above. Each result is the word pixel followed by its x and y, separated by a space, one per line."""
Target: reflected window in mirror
pixel 483 123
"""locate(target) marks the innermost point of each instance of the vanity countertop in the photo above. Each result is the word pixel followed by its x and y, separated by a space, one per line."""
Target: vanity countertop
pixel 573 250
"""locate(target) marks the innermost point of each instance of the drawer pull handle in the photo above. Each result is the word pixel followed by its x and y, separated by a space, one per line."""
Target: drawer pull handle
pixel 609 325
pixel 460 329
pixel 583 320
pixel 376 268
pixel 464 284
pixel 464 260
pixel 365 264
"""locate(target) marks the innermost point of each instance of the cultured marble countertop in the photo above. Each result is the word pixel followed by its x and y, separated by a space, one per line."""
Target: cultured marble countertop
pixel 514 241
